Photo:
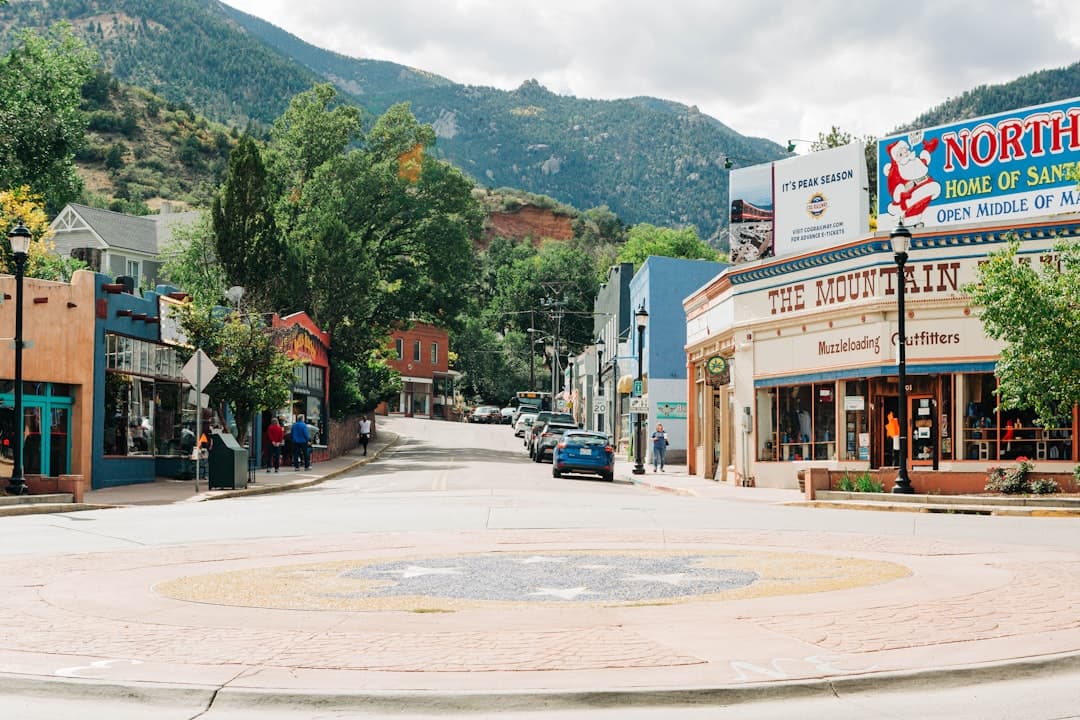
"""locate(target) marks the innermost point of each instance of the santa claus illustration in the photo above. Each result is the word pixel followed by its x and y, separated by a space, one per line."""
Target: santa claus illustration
pixel 911 188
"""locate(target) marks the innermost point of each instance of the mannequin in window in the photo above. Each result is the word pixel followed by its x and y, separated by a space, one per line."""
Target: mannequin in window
pixel 804 425
pixel 892 429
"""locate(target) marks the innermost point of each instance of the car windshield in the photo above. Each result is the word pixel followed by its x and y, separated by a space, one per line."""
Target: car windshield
pixel 585 440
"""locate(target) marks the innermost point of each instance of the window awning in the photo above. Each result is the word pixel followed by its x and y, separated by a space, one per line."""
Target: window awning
pixel 625 384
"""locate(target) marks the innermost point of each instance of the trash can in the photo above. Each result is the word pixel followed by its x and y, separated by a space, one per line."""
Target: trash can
pixel 227 464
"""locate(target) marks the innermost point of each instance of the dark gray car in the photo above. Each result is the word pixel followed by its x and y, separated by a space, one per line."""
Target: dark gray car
pixel 548 438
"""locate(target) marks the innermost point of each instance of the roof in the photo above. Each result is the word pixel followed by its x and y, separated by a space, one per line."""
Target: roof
pixel 146 234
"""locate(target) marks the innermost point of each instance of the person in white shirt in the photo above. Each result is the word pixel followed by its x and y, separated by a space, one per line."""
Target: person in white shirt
pixel 365 432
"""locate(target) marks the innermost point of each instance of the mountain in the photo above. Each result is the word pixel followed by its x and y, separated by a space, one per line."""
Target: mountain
pixel 647 159
pixel 1037 88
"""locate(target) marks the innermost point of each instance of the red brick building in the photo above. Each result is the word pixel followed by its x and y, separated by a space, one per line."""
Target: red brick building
pixel 420 354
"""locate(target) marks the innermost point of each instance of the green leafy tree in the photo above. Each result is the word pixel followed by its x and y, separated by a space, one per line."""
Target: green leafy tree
pixel 253 373
pixel 645 240
pixel 19 205
pixel 1036 313
pixel 246 240
pixel 41 124
pixel 191 263
pixel 839 138
pixel 310 133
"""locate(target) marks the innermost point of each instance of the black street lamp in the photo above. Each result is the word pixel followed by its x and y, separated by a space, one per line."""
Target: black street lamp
pixel 900 239
pixel 641 319
pixel 19 237
pixel 600 366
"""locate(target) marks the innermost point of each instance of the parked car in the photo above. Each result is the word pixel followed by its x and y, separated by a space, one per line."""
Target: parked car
pixel 524 424
pixel 485 414
pixel 542 419
pixel 507 415
pixel 548 438
pixel 584 451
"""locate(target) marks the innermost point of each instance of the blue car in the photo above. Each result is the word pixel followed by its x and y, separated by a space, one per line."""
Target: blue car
pixel 584 451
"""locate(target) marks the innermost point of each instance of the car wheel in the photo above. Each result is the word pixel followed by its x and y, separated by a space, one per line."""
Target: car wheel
pixel 610 477
pixel 536 456
pixel 556 472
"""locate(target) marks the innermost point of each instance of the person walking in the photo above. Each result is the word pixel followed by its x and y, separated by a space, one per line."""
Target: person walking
pixel 365 432
pixel 276 435
pixel 301 438
pixel 659 446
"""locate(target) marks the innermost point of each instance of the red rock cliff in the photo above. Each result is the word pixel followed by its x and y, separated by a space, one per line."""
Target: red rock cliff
pixel 527 222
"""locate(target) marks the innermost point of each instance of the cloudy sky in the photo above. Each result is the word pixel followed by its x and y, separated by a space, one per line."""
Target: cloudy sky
pixel 778 69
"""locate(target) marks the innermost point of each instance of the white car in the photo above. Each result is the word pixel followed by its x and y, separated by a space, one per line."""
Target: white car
pixel 507 414
pixel 524 422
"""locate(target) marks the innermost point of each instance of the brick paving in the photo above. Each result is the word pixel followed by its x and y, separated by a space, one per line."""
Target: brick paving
pixel 853 605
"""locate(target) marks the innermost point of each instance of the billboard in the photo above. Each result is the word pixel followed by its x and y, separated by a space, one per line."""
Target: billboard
pixel 798 204
pixel 1009 166
pixel 821 199
pixel 750 225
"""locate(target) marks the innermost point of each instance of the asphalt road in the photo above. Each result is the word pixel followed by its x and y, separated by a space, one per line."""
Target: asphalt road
pixel 448 477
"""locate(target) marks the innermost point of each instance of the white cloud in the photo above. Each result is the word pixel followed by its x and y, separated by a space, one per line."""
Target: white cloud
pixel 772 68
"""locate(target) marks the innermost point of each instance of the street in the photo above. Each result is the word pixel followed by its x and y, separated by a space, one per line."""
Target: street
pixel 453 569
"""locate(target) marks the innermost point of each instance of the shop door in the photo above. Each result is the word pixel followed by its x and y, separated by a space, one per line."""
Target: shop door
pixel 46 429
pixel 886 448
pixel 922 416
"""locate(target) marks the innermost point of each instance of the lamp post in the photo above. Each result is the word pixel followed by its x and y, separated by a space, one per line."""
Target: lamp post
pixel 600 366
pixel 900 239
pixel 19 237
pixel 641 319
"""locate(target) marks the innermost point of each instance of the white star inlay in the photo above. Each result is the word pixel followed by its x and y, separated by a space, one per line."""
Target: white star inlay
pixel 563 593
pixel 672 579
pixel 541 559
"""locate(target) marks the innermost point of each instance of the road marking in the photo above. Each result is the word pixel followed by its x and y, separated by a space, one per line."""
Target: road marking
pixel 77 671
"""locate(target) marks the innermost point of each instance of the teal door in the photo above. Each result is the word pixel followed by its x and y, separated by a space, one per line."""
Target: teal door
pixel 45 433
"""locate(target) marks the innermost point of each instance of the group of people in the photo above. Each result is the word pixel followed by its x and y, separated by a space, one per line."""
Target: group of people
pixel 300 436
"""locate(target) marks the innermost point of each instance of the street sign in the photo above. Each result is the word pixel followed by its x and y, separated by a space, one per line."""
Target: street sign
pixel 199 370
pixel 639 405
pixel 637 388
pixel 601 408
pixel 204 399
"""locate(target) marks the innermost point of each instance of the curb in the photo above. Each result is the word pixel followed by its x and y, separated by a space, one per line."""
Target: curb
pixel 300 484
pixel 228 698
pixel 54 508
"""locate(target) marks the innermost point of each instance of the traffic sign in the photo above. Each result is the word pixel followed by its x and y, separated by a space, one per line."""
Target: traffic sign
pixel 637 388
pixel 639 405
pixel 199 370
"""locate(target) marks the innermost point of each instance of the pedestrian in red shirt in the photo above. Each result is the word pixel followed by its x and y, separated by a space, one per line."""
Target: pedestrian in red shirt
pixel 276 435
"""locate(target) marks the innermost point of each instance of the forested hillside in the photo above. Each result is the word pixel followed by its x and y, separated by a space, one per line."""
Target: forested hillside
pixel 647 159
pixel 1034 89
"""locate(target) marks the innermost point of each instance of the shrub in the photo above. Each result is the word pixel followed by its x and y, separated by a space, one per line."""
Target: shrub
pixel 1010 481
pixel 863 482
pixel 1045 486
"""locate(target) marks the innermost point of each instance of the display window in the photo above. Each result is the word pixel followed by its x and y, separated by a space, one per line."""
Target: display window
pixel 797 423
pixel 855 438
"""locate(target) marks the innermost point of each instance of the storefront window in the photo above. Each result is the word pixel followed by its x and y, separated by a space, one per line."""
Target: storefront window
pixel 767 440
pixel 980 417
pixel 145 402
pixel 824 417
pixel 855 443
pixel 945 418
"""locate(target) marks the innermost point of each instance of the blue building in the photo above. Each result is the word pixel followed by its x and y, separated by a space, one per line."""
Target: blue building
pixel 661 285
